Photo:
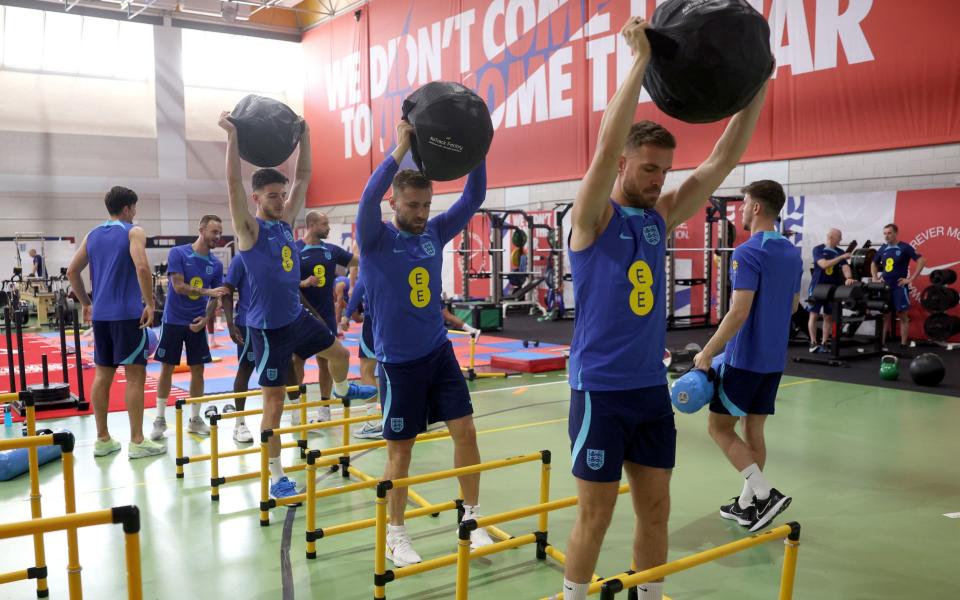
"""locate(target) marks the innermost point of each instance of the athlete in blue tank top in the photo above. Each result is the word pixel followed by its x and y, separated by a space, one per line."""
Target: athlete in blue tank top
pixel 318 270
pixel 891 265
pixel 765 274
pixel 194 287
pixel 420 378
pixel 829 267
pixel 123 286
pixel 238 282
pixel 281 328
pixel 621 417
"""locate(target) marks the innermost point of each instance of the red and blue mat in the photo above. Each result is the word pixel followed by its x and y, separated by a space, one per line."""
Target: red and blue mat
pixel 218 376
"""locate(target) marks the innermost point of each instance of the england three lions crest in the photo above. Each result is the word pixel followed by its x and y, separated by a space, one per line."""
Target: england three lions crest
pixel 595 458
pixel 651 234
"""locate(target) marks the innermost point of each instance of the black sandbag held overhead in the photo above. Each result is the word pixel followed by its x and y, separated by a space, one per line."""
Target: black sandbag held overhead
pixel 709 58
pixel 268 130
pixel 452 129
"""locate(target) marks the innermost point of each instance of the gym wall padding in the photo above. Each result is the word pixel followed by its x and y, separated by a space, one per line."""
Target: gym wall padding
pixel 843 82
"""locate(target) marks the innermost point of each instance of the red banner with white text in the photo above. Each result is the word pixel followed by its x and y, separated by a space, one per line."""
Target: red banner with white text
pixel 853 75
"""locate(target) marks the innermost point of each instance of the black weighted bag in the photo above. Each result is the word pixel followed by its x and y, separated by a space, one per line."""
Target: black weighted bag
pixel 709 58
pixel 927 369
pixel 452 129
pixel 267 130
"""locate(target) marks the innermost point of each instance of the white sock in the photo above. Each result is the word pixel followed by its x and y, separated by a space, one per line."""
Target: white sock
pixel 161 407
pixel 240 421
pixel 746 496
pixel 372 408
pixel 650 591
pixel 759 483
pixel 396 529
pixel 195 411
pixel 294 414
pixel 574 591
pixel 471 511
pixel 276 470
pixel 341 388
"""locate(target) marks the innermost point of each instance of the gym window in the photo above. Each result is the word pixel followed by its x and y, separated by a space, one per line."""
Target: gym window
pixel 64 44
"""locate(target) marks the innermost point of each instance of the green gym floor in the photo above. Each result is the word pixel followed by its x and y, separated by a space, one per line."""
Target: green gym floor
pixel 871 470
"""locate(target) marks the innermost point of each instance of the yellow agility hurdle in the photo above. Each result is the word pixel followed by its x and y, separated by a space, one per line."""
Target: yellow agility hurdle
pixel 382 576
pixel 66 442
pixel 470 371
pixel 215 455
pixel 789 533
pixel 314 533
pixel 540 537
pixel 128 516
pixel 340 462
pixel 182 459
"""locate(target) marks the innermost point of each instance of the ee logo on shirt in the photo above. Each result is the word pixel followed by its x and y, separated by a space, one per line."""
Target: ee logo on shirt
pixel 286 258
pixel 641 297
pixel 320 272
pixel 829 271
pixel 888 265
pixel 419 280
pixel 195 283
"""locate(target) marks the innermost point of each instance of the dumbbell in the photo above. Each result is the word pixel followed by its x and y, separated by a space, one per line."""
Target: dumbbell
pixel 210 411
pixel 528 343
pixel 229 408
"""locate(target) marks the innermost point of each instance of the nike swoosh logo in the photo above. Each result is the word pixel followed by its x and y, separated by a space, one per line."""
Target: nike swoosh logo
pixel 626 237
pixel 749 476
pixel 401 251
pixel 271 238
pixel 928 270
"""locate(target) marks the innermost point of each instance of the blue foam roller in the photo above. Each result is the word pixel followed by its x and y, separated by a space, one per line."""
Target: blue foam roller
pixel 14 463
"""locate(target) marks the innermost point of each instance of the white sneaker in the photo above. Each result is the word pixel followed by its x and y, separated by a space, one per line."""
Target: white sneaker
pixel 241 434
pixel 399 548
pixel 197 426
pixel 323 415
pixel 480 538
pixel 159 427
pixel 371 430
pixel 145 448
pixel 294 417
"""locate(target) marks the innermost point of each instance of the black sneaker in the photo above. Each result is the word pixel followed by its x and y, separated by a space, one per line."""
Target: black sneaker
pixel 767 509
pixel 744 516
pixel 814 349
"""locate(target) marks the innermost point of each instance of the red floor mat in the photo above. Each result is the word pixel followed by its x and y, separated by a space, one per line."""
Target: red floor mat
pixel 36 345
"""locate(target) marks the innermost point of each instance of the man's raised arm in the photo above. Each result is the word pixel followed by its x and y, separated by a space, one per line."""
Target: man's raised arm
pixel 676 206
pixel 593 196
pixel 301 179
pixel 244 225
pixel 369 214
